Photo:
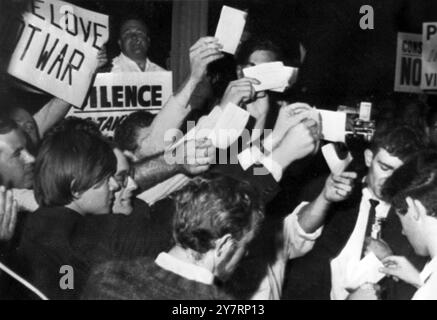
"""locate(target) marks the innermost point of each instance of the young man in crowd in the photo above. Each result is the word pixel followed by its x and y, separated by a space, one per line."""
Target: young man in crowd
pixel 412 190
pixel 328 271
pixel 214 221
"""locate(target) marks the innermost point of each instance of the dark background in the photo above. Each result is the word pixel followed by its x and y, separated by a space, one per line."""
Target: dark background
pixel 343 63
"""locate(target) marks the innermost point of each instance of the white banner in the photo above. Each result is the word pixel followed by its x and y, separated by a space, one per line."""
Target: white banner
pixel 57 48
pixel 115 95
pixel 408 63
pixel 429 56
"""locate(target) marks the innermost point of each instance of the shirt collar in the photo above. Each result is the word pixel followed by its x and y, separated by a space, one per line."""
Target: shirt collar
pixel 184 269
pixel 382 208
pixel 126 59
pixel 429 269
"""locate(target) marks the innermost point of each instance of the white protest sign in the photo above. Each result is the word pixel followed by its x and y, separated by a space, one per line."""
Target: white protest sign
pixel 57 48
pixel 115 95
pixel 408 63
pixel 272 75
pixel 230 28
pixel 429 56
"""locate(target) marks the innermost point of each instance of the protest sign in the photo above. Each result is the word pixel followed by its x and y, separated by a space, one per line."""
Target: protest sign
pixel 408 63
pixel 115 95
pixel 57 48
pixel 429 57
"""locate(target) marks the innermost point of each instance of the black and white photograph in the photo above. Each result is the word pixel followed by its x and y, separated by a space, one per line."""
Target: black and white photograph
pixel 235 151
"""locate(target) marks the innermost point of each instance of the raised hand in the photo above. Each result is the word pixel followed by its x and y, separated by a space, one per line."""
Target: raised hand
pixel 202 53
pixel 195 156
pixel 339 187
pixel 238 91
pixel 399 267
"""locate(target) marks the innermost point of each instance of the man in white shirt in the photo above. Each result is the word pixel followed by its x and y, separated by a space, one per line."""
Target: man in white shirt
pixel 134 42
pixel 342 244
pixel 413 192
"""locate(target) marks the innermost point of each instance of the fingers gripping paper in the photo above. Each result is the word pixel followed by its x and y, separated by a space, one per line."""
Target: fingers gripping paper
pixel 230 28
pixel 57 49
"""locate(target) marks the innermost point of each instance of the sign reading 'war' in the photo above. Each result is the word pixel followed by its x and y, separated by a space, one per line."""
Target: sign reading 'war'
pixel 115 95
pixel 57 48
pixel 409 63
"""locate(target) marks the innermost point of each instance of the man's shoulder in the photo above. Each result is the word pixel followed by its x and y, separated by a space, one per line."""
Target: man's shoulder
pixel 152 66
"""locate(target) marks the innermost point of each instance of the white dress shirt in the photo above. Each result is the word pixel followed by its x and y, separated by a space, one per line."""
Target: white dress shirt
pixel 428 276
pixel 344 267
pixel 187 270
pixel 294 242
pixel 123 63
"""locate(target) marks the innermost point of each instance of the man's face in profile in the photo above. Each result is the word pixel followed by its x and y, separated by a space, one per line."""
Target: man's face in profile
pixel 134 40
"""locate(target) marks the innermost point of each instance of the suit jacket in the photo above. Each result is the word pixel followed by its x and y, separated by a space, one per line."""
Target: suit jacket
pixel 309 277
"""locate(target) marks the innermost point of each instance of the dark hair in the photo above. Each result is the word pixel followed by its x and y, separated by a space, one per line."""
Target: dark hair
pixel 131 16
pixel 126 134
pixel 417 179
pixel 208 208
pixel 254 44
pixel 71 160
pixel 7 125
pixel 400 141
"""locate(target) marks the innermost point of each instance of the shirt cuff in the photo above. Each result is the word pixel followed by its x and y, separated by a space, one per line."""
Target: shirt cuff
pixel 293 219
pixel 249 157
pixel 273 167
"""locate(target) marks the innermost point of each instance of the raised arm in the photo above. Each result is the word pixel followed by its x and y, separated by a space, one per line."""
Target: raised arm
pixel 172 115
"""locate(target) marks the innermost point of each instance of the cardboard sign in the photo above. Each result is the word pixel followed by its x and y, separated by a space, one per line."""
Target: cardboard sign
pixel 409 63
pixel 57 48
pixel 115 95
pixel 429 57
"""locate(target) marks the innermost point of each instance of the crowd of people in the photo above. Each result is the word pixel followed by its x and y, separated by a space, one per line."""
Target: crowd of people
pixel 76 221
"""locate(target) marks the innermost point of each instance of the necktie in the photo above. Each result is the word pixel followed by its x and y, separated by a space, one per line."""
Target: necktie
pixel 372 222
pixel 373 228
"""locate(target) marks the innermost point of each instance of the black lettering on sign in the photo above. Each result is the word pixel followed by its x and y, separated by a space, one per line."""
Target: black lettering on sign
pixel 52 17
pixel 34 28
pixel 117 96
pixel 86 30
pixel 108 123
pixel 44 55
pixel 131 96
pixel 59 60
pixel 97 34
pixel 117 122
pixel 156 96
pixel 431 79
pixel 104 103
pixel 100 121
pixel 411 71
pixel 93 97
pixel 141 100
pixel 34 7
pixel 430 31
pixel 70 21
pixel 73 66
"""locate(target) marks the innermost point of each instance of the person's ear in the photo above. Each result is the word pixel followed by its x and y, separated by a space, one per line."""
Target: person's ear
pixel 368 157
pixel 74 193
pixel 420 209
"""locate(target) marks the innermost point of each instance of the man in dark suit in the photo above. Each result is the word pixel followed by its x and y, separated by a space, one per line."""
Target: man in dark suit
pixel 329 270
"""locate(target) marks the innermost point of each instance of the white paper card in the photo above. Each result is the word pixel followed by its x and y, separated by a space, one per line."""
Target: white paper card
pixel 272 75
pixel 333 125
pixel 335 164
pixel 230 28
pixel 367 270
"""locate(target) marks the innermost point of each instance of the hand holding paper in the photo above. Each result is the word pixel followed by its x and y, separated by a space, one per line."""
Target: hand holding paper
pixel 230 28
pixel 241 90
pixel 272 75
